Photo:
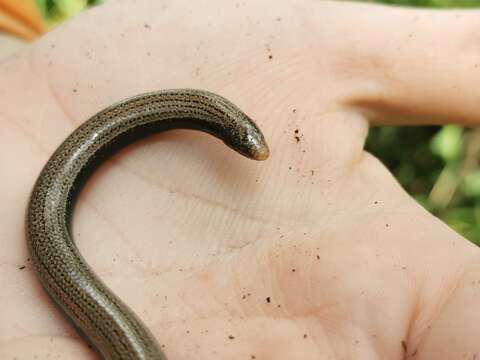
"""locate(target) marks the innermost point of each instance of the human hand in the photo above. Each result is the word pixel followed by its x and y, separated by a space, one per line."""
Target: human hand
pixel 316 253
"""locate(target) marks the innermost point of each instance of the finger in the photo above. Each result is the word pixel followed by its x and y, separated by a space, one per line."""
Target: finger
pixel 411 66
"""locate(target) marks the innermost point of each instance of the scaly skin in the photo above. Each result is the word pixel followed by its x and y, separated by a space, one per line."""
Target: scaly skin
pixel 107 323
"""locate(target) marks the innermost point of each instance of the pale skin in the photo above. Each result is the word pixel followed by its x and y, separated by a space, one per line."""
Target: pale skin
pixel 316 253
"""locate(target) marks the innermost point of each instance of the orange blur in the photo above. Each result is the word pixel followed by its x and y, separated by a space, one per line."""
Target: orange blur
pixel 21 18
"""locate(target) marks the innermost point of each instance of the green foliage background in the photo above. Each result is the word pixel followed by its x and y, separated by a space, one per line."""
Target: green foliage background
pixel 433 3
pixel 55 11
pixel 438 166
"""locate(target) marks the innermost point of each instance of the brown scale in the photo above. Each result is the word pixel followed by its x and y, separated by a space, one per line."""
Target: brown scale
pixel 108 324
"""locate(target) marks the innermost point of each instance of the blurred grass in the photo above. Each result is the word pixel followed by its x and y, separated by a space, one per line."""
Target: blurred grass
pixel 438 166
pixel 55 11
pixel 433 3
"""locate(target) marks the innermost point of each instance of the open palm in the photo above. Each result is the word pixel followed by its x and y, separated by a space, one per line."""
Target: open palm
pixel 316 253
